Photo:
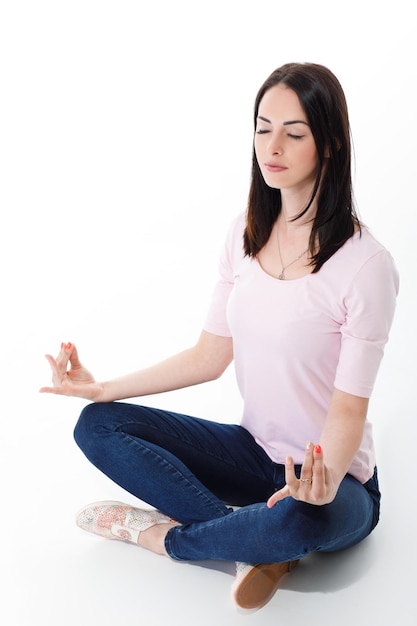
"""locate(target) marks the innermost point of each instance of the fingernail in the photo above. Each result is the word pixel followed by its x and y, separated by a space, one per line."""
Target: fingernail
pixel 68 346
pixel 317 449
pixel 308 445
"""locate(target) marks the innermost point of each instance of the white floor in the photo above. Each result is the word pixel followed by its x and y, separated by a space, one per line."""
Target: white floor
pixel 126 136
pixel 54 573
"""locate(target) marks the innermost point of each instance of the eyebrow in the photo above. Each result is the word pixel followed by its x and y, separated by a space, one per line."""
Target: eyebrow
pixel 288 123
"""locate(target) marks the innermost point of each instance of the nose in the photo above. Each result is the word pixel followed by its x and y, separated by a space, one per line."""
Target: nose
pixel 275 144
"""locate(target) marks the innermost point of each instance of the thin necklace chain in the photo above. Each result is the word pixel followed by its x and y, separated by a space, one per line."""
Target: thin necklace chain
pixel 282 275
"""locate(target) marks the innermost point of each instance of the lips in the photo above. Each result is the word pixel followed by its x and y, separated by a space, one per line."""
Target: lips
pixel 275 167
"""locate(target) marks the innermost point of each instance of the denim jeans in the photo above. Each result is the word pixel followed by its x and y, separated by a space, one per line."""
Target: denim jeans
pixel 196 471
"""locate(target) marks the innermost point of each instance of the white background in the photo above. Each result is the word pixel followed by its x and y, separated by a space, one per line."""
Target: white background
pixel 125 147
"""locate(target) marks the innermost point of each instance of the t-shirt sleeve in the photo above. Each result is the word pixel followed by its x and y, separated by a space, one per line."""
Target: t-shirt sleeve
pixel 370 305
pixel 216 319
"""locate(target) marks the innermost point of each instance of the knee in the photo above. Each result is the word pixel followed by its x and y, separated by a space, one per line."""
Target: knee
pixel 88 425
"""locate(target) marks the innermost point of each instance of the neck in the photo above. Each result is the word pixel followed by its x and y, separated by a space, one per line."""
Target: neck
pixel 294 229
pixel 291 205
pixel 294 234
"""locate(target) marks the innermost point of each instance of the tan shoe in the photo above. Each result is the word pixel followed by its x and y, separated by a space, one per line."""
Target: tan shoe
pixel 255 585
pixel 115 520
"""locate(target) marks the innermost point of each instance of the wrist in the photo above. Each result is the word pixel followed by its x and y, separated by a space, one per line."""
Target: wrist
pixel 102 393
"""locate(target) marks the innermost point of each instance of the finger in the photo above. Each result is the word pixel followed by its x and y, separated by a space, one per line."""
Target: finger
pixel 318 468
pixel 51 361
pixel 307 466
pixel 56 373
pixel 63 357
pixel 55 390
pixel 306 473
pixel 277 496
pixel 73 355
pixel 290 477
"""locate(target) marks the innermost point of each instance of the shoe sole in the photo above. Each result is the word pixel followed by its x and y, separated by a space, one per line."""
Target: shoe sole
pixel 260 584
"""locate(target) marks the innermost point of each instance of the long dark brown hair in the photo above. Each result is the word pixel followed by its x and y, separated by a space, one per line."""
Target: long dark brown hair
pixel 323 101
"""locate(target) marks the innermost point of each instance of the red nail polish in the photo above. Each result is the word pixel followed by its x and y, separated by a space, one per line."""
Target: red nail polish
pixel 317 449
pixel 68 346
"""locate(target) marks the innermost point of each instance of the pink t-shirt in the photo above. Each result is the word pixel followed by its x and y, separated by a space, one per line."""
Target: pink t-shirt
pixel 295 341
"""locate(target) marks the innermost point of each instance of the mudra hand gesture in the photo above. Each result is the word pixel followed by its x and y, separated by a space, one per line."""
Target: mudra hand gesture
pixel 75 381
pixel 315 484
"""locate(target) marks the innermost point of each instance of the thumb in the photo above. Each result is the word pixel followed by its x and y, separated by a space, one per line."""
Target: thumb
pixel 277 496
pixel 73 356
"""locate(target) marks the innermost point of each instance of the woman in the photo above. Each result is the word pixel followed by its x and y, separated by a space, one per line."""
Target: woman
pixel 304 304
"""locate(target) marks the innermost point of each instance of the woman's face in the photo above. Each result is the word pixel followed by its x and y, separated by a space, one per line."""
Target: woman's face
pixel 284 145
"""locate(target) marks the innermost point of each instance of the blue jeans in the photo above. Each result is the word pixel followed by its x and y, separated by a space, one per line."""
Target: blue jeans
pixel 195 471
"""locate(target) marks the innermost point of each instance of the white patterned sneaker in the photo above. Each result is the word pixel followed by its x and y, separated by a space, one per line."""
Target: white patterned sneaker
pixel 115 520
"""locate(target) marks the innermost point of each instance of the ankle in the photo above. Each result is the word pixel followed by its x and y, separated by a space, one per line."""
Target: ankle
pixel 153 538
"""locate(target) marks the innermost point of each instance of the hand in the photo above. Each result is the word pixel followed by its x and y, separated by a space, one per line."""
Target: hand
pixel 76 381
pixel 315 485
